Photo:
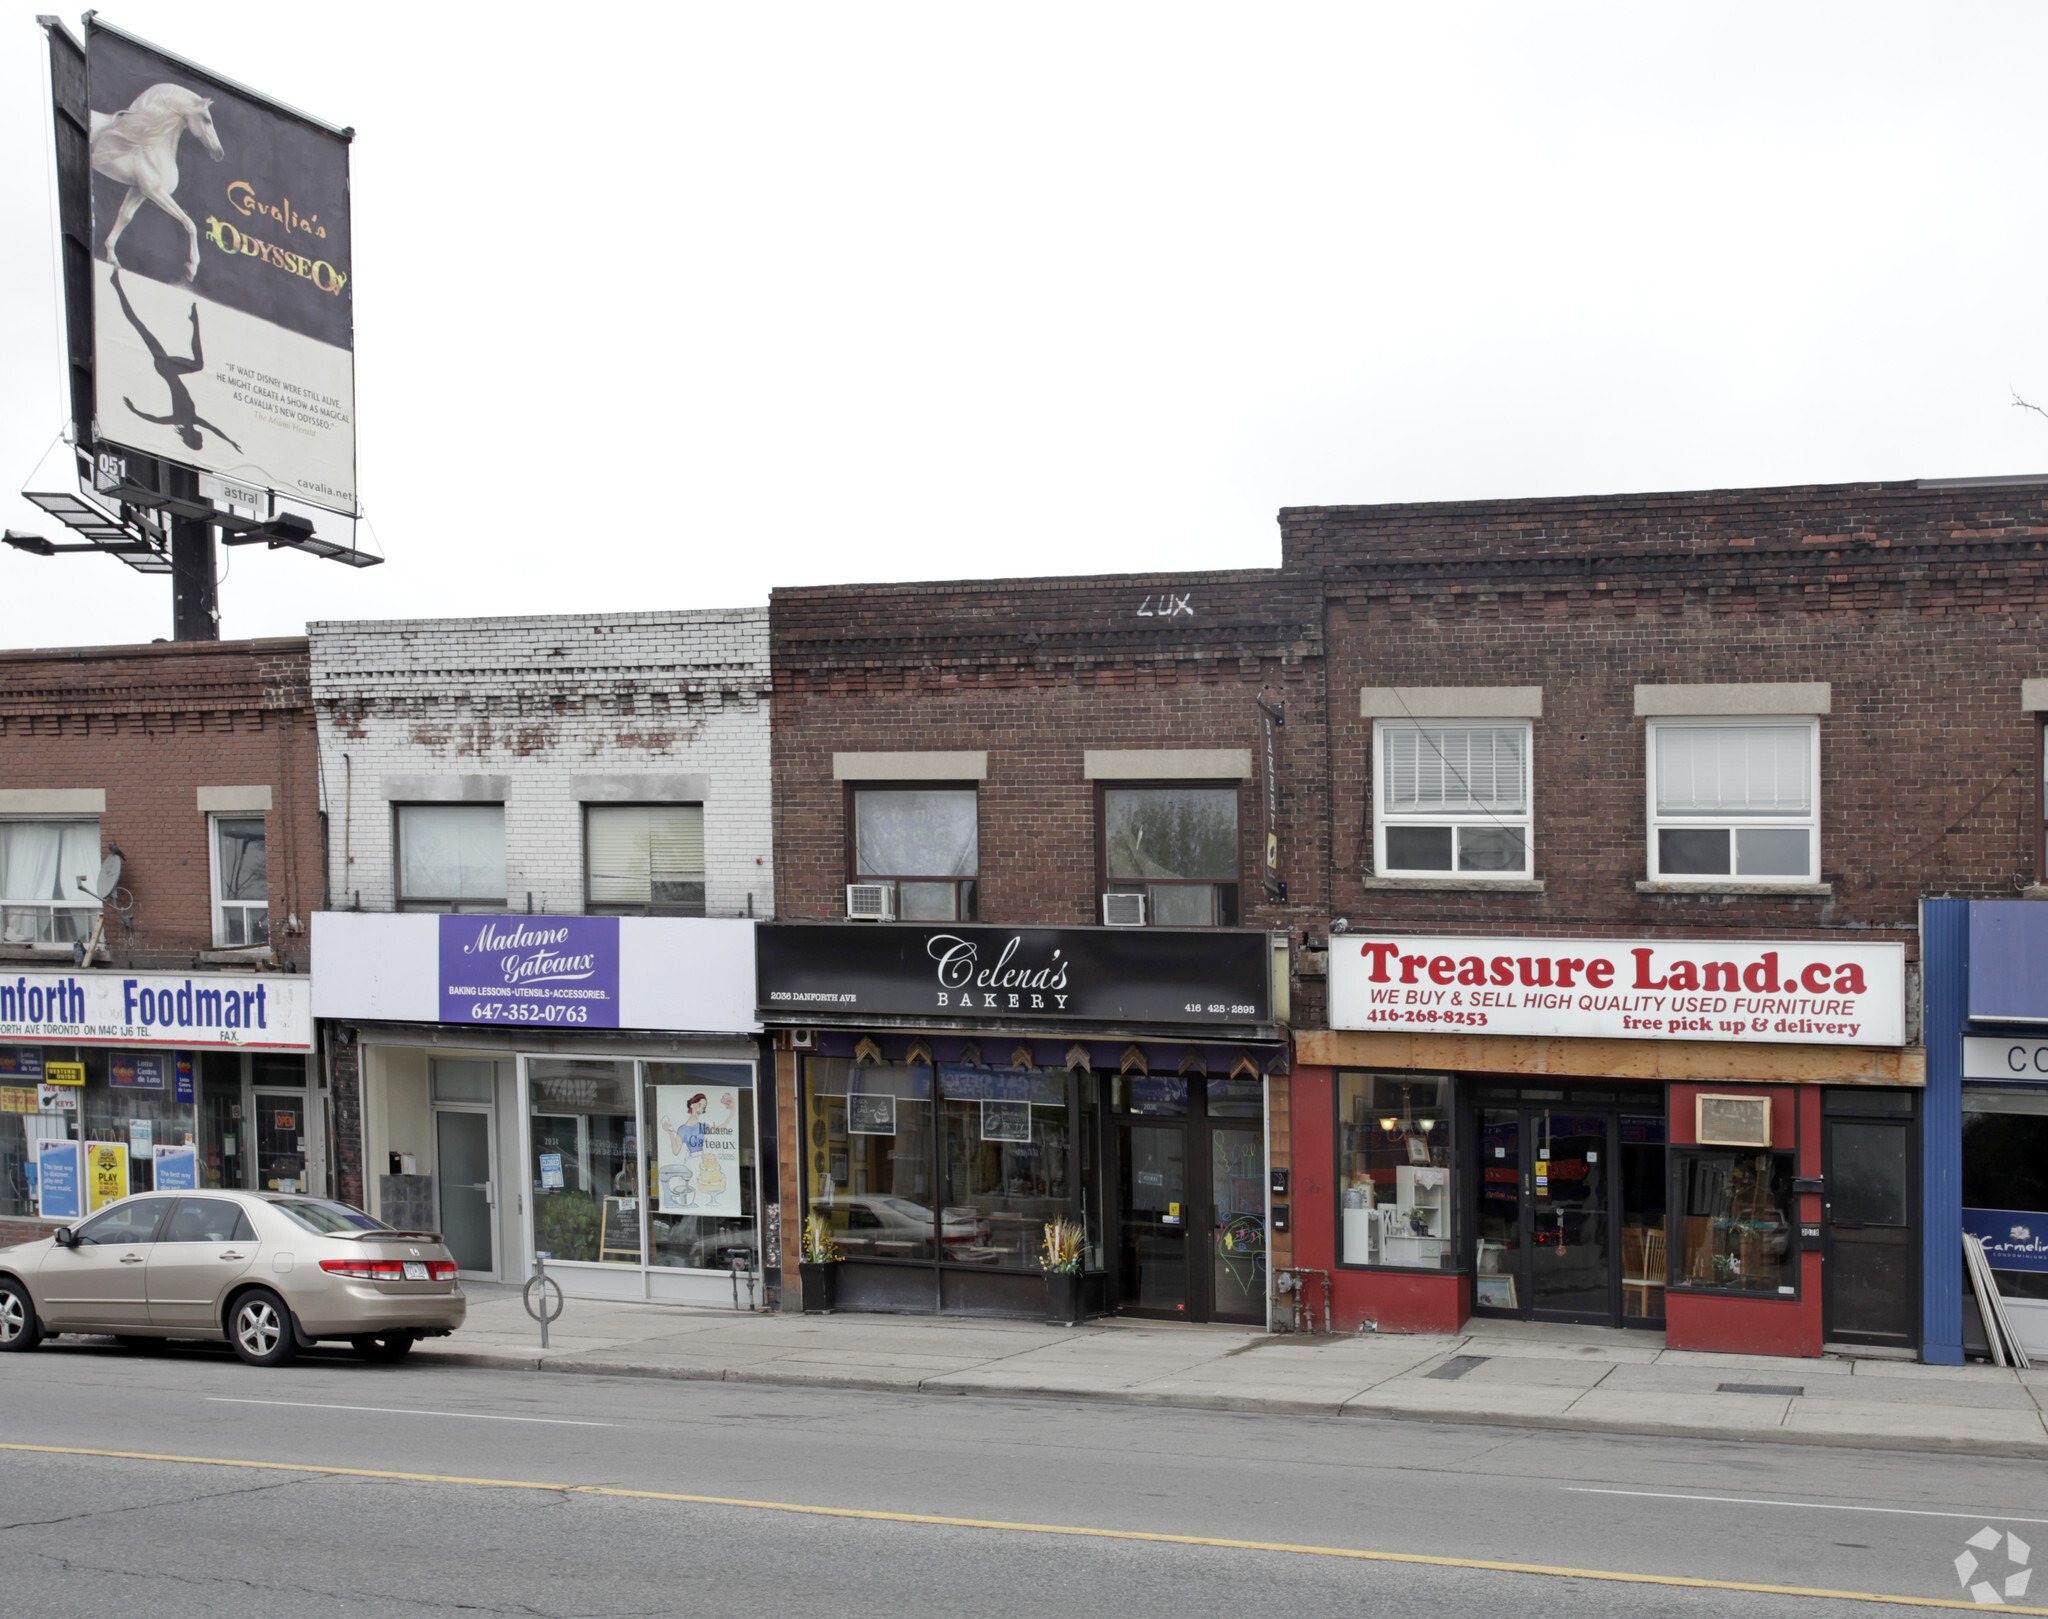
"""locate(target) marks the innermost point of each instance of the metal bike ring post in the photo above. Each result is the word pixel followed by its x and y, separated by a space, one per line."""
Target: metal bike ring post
pixel 550 1294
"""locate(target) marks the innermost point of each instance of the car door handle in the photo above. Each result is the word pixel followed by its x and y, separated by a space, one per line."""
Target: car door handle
pixel 132 1259
pixel 232 1255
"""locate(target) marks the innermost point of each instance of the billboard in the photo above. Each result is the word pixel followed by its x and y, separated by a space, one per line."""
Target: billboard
pixel 223 310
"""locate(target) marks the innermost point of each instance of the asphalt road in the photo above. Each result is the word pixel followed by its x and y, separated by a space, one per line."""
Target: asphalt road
pixel 93 1534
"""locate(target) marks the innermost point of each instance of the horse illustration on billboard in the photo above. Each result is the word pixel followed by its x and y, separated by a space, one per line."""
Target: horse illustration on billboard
pixel 139 149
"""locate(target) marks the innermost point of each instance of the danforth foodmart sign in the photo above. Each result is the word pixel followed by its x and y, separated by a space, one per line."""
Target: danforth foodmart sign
pixel 1809 993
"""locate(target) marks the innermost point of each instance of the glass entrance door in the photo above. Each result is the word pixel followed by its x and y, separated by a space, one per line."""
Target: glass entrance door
pixel 1152 1217
pixel 463 1185
pixel 1237 1224
pixel 280 1141
pixel 1571 1246
pixel 1545 1245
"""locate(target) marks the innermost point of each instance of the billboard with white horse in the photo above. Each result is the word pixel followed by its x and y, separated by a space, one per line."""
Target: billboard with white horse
pixel 223 310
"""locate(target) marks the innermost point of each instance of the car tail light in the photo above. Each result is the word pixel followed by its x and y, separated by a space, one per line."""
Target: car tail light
pixel 442 1270
pixel 366 1270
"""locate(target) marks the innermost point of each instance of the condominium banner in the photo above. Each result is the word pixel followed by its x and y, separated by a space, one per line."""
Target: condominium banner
pixel 262 1011
pixel 1806 992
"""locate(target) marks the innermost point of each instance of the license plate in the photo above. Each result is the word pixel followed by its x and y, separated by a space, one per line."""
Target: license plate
pixel 415 1271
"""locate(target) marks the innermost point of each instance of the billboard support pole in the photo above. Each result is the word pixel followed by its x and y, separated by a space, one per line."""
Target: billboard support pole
pixel 195 606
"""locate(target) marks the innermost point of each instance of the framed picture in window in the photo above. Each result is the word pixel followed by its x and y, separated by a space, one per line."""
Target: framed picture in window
pixel 1495 1292
pixel 835 1122
pixel 1005 1121
pixel 841 1170
pixel 1418 1149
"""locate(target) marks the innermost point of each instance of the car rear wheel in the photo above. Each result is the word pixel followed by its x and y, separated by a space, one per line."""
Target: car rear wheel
pixel 19 1328
pixel 384 1349
pixel 260 1328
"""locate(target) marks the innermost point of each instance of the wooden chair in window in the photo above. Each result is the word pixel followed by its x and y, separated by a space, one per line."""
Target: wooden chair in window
pixel 1642 1269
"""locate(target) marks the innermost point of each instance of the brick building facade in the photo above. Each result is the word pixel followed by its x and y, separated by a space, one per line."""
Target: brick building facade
pixel 1899 621
pixel 197 762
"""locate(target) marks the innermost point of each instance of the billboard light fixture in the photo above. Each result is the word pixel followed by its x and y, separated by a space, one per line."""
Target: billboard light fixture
pixel 290 531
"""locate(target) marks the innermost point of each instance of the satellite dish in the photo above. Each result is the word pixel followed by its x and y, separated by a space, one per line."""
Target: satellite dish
pixel 110 874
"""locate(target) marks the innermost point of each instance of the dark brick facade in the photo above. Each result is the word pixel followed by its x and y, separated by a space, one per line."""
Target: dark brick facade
pixel 150 725
pixel 1921 605
pixel 1035 672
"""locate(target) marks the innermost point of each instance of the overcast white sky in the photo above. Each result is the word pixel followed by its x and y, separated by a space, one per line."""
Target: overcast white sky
pixel 659 306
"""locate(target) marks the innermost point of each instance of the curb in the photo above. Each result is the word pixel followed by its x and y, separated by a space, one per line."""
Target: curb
pixel 2023 1449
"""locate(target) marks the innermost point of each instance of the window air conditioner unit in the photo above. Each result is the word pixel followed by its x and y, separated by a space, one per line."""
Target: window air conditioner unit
pixel 870 902
pixel 1123 910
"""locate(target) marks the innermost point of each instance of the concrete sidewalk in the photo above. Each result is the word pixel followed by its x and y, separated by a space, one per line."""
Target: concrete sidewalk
pixel 1519 1374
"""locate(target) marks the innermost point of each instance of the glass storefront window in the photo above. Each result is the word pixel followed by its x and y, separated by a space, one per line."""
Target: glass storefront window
pixel 1644 1242
pixel 2005 1173
pixel 1006 1162
pixel 700 1163
pixel 224 1145
pixel 1735 1210
pixel 585 1171
pixel 1396 1200
pixel 868 1157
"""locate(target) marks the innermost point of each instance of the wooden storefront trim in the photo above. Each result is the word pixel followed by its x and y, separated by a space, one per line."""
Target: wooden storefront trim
pixel 1615 1059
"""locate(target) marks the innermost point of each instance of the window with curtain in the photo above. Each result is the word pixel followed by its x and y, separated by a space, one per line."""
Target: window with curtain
pixel 1178 847
pixel 241 891
pixel 41 863
pixel 451 857
pixel 924 841
pixel 1737 801
pixel 1452 799
pixel 644 859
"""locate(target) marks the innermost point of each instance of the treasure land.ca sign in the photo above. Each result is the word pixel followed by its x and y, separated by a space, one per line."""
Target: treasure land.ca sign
pixel 1819 993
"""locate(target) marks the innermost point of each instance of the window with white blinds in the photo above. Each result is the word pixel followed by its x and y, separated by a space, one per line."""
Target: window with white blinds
pixel 645 857
pixel 1452 801
pixel 1458 768
pixel 1759 782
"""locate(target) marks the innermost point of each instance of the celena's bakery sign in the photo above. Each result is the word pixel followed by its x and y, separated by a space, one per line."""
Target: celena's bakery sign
pixel 1811 993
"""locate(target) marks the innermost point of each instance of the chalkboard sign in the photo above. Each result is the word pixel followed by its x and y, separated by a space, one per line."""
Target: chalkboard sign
pixel 408 1202
pixel 871 1115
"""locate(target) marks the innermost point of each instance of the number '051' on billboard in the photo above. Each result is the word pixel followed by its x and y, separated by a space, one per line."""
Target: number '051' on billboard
pixel 1801 992
pixel 223 310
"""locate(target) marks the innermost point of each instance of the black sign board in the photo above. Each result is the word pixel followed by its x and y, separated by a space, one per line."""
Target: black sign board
pixel 827 971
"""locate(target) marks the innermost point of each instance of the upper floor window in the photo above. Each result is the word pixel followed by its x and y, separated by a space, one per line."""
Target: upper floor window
pixel 926 842
pixel 1732 800
pixel 451 857
pixel 644 859
pixel 41 864
pixel 241 893
pixel 1178 847
pixel 1452 800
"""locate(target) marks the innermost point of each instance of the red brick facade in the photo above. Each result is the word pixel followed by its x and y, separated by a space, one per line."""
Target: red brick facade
pixel 150 726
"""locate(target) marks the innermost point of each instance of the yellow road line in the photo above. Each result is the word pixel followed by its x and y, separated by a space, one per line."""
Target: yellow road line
pixel 1420 1558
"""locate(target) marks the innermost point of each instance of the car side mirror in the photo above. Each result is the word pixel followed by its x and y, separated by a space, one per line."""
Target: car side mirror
pixel 64 1237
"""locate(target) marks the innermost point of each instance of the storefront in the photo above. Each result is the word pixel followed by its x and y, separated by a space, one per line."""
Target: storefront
pixel 1638 1133
pixel 948 1091
pixel 1985 1161
pixel 580 1087
pixel 125 1082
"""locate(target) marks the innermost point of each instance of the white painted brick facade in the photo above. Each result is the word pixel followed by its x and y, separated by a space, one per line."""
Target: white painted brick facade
pixel 540 701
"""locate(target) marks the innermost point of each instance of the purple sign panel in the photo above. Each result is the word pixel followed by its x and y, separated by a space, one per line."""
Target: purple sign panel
pixel 182 1076
pixel 556 970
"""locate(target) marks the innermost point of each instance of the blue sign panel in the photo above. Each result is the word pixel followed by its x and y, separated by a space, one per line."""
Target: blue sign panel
pixel 136 1071
pixel 177 1169
pixel 59 1181
pixel 2014 1239
pixel 2009 961
pixel 21 1062
pixel 181 1069
pixel 559 971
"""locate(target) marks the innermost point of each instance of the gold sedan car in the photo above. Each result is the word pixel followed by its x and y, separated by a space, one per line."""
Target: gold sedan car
pixel 271 1273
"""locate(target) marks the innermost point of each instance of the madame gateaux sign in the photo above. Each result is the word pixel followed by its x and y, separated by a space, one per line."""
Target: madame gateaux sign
pixel 1151 975
pixel 1816 992
pixel 561 971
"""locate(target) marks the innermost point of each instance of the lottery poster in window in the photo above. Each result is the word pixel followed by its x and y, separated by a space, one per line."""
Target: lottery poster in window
pixel 697 1155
